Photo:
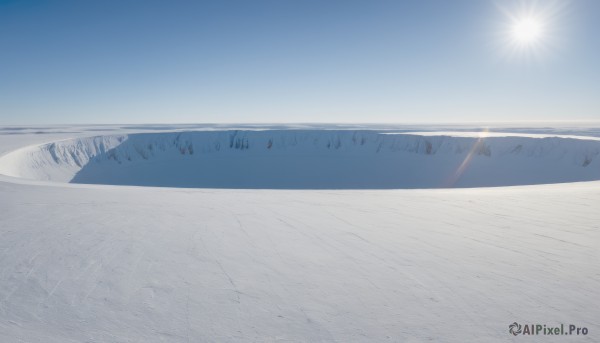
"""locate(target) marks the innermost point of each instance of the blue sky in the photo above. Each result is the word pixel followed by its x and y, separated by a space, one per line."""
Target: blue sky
pixel 294 61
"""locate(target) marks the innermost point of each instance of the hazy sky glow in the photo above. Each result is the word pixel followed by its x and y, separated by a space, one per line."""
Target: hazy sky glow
pixel 297 61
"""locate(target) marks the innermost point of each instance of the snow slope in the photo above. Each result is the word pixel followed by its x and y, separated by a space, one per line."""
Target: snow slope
pixel 310 159
pixel 97 263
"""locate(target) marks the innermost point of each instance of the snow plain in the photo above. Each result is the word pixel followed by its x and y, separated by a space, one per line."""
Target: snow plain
pixel 106 263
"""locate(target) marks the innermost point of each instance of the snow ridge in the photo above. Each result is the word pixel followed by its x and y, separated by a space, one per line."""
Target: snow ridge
pixel 307 159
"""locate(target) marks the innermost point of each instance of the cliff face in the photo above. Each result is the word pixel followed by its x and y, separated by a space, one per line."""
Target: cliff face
pixel 307 159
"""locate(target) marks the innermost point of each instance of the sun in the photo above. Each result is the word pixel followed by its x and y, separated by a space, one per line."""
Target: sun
pixel 527 30
pixel 530 30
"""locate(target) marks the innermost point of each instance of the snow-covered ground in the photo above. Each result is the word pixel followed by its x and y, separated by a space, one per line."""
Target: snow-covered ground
pixel 100 263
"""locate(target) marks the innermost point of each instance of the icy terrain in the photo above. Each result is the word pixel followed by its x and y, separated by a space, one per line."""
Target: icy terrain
pixel 105 263
pixel 310 159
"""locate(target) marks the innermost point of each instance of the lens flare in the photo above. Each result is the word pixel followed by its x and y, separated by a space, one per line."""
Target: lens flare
pixel 477 148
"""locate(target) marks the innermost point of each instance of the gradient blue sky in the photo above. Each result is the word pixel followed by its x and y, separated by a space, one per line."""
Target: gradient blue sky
pixel 292 61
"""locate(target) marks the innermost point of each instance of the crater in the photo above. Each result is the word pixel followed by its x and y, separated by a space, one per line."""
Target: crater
pixel 309 159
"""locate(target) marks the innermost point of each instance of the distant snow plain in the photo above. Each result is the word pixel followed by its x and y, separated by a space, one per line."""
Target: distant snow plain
pixel 311 256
